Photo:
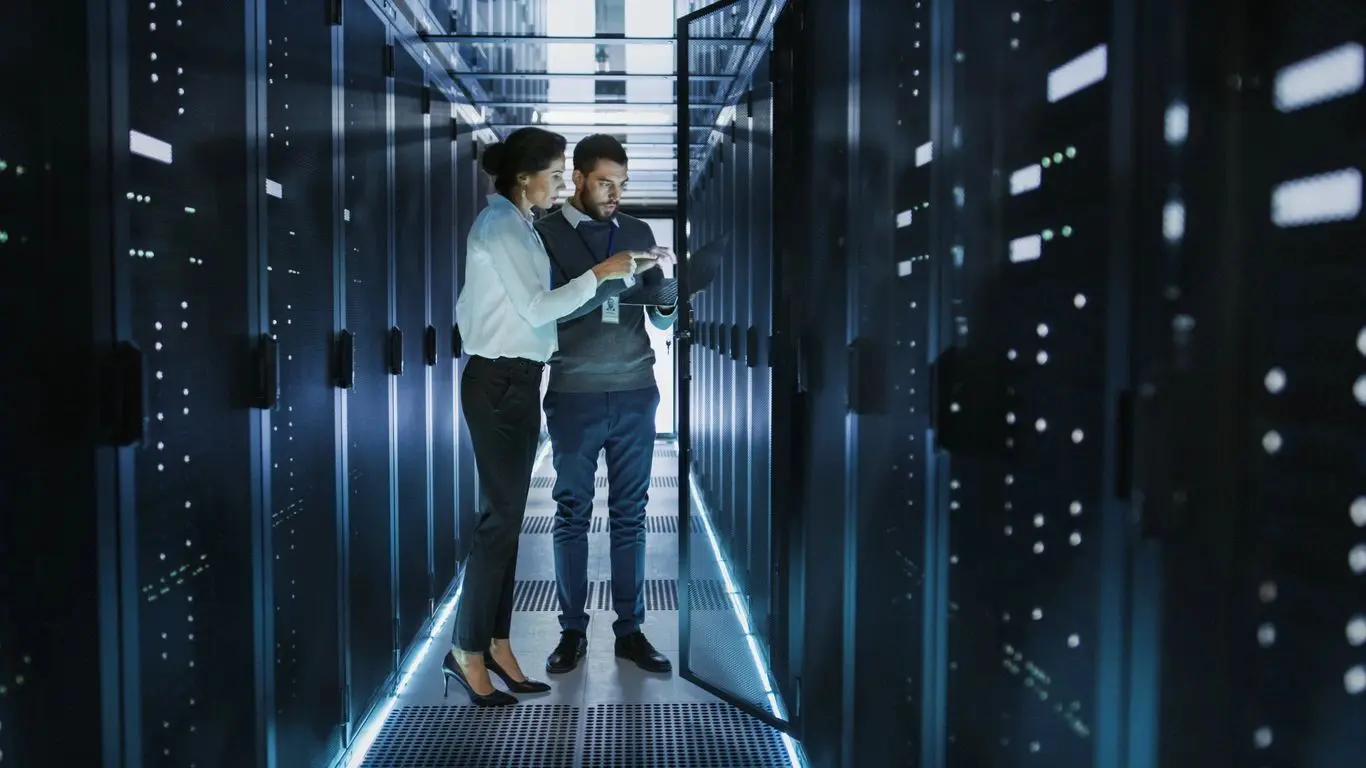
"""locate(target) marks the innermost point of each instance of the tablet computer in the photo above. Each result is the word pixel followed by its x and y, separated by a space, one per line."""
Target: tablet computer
pixel 661 294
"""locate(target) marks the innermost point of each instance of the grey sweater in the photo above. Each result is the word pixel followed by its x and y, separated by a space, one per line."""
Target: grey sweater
pixel 595 356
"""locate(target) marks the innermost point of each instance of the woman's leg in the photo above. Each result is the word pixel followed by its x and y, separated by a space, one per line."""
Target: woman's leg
pixel 502 623
pixel 494 398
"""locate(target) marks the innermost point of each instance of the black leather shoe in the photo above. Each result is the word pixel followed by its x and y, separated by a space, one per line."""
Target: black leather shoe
pixel 636 649
pixel 516 686
pixel 573 646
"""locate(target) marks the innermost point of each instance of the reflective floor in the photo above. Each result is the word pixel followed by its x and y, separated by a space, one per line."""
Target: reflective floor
pixel 607 712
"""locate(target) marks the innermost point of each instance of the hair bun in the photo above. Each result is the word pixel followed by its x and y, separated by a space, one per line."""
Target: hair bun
pixel 492 161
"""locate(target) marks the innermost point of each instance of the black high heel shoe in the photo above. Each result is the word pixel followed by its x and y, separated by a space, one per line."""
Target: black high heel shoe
pixel 516 686
pixel 450 668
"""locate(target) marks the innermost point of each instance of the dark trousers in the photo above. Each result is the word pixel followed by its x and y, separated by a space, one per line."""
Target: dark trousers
pixel 581 426
pixel 501 402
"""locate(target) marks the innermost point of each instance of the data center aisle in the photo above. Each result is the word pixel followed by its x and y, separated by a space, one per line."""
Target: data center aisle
pixel 606 713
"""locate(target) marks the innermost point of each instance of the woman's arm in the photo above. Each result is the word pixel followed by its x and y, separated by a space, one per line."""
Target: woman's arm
pixel 607 290
pixel 507 250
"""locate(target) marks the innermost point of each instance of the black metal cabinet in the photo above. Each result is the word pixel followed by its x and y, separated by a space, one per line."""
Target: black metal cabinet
pixel 445 264
pixel 300 446
pixel 412 427
pixel 372 613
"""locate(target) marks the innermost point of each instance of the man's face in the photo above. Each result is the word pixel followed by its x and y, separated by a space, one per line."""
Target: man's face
pixel 599 192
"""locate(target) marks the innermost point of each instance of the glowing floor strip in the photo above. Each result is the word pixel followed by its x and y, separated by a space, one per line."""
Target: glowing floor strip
pixel 775 705
pixel 360 746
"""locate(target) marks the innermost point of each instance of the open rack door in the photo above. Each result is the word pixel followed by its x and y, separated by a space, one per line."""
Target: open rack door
pixel 730 622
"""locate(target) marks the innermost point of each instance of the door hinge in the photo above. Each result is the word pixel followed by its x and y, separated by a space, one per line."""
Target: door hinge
pixel 426 99
pixel 752 347
pixel 429 340
pixel 943 381
pixel 390 61
pixel 1159 483
pixel 344 361
pixel 396 351
pixel 266 377
pixel 854 390
pixel 335 8
pixel 125 396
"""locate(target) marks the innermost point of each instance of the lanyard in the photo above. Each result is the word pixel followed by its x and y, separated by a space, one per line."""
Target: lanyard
pixel 611 238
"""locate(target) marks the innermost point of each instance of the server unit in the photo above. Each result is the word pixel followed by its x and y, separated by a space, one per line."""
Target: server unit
pixel 1066 378
pixel 259 487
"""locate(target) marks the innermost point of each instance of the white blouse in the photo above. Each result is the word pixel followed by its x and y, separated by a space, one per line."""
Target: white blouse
pixel 506 308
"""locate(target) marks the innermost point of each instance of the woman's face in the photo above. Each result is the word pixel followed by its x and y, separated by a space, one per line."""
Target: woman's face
pixel 542 188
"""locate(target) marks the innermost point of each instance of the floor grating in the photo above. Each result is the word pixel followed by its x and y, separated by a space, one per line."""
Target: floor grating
pixel 525 736
pixel 543 482
pixel 662 595
pixel 539 525
pixel 538 595
pixel 681 735
pixel 653 524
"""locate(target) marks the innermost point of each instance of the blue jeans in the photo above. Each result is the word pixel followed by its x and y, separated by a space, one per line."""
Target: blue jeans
pixel 581 425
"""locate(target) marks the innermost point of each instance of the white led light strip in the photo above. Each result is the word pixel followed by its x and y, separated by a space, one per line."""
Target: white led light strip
pixel 742 615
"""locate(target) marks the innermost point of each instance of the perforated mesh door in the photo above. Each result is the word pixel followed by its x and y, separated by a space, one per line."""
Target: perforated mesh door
pixel 52 232
pixel 468 201
pixel 444 265
pixel 1300 634
pixel 303 450
pixel 410 314
pixel 1027 443
pixel 187 276
pixel 366 228
pixel 760 564
pixel 729 212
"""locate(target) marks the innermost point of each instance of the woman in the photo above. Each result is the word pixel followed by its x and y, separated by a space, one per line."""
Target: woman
pixel 507 316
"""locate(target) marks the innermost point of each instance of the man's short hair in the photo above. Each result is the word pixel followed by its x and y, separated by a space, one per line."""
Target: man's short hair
pixel 599 146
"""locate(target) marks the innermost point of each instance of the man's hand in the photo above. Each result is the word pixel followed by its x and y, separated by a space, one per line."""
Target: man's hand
pixel 663 255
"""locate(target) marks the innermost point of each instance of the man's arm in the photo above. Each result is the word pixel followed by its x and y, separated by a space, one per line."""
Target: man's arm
pixel 660 317
pixel 606 291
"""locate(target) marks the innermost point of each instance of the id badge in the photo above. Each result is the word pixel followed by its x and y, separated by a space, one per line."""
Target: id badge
pixel 611 310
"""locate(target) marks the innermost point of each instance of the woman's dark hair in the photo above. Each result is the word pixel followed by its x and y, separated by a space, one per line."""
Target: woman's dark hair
pixel 527 150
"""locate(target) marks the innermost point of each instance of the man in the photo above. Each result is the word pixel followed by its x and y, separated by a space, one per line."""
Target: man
pixel 602 396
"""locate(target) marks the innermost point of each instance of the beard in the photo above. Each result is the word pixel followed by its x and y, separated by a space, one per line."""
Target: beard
pixel 599 210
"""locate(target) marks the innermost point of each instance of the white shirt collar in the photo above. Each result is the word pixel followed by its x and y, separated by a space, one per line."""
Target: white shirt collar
pixel 495 199
pixel 577 217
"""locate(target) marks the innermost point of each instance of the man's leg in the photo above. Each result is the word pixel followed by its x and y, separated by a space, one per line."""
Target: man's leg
pixel 630 458
pixel 578 427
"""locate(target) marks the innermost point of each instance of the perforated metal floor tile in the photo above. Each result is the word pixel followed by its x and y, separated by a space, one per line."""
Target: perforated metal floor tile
pixel 536 595
pixel 524 736
pixel 662 595
pixel 693 735
pixel 653 524
pixel 543 482
pixel 538 524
